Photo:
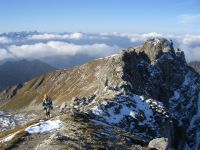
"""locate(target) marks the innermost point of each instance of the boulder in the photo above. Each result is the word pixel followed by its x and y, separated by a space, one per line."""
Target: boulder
pixel 159 143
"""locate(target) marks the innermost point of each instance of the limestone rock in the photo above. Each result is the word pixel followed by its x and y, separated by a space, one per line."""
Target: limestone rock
pixel 159 143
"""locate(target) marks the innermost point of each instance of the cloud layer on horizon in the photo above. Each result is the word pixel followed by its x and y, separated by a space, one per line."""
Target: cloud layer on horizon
pixel 41 45
pixel 49 36
pixel 58 48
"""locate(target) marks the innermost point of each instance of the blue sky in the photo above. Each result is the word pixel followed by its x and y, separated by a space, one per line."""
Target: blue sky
pixel 163 16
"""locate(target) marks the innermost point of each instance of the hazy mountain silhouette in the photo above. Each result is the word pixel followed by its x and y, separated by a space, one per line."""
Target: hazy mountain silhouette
pixel 12 73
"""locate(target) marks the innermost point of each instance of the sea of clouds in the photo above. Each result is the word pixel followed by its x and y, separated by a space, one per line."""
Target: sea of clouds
pixel 69 49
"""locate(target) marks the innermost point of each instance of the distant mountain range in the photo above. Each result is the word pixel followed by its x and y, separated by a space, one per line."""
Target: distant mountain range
pixel 195 65
pixel 12 73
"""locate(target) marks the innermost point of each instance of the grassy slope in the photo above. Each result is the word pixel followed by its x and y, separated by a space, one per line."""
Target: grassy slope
pixel 62 85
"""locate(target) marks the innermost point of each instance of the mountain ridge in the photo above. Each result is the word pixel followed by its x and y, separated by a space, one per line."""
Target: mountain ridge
pixel 148 90
pixel 20 71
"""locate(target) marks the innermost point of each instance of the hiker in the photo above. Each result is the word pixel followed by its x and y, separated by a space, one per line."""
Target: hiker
pixel 47 104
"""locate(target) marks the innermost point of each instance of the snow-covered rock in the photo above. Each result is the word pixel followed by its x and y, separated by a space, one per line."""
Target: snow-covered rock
pixel 10 120
pixel 157 96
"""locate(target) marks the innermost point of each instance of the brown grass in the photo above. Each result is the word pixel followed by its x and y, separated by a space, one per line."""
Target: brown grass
pixel 62 86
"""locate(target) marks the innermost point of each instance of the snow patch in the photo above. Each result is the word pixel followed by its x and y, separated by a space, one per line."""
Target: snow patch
pixel 176 95
pixel 111 56
pixel 9 138
pixel 97 111
pixel 156 41
pixel 189 78
pixel 44 127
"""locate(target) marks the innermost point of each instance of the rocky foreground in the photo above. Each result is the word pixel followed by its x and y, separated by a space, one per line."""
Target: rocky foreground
pixel 144 97
pixel 11 120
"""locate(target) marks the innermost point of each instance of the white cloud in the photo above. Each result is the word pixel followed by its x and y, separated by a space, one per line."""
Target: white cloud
pixel 191 40
pixel 192 54
pixel 189 43
pixel 48 36
pixel 4 54
pixel 143 37
pixel 54 44
pixel 133 37
pixel 57 48
pixel 76 36
pixel 45 36
pixel 189 18
pixel 4 40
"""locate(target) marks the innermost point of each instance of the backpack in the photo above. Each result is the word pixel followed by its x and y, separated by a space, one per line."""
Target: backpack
pixel 47 103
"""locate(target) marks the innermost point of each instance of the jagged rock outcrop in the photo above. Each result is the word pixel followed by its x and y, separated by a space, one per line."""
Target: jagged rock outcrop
pixel 10 120
pixel 148 92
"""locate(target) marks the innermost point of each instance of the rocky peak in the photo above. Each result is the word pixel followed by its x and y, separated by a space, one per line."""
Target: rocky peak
pixel 153 69
pixel 159 41
pixel 156 47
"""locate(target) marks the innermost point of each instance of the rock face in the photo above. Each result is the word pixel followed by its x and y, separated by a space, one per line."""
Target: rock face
pixel 195 65
pixel 148 92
